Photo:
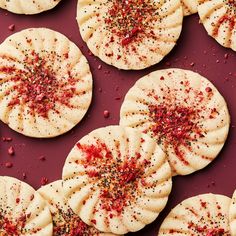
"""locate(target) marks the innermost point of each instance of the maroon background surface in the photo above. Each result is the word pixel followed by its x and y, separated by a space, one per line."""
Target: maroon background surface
pixel 195 50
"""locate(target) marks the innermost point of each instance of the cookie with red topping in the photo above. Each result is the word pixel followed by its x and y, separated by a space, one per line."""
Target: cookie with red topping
pixel 130 34
pixel 205 214
pixel 183 112
pixel 45 83
pixel 219 20
pixel 22 210
pixel 189 7
pixel 117 179
pixel 232 215
pixel 29 8
pixel 65 222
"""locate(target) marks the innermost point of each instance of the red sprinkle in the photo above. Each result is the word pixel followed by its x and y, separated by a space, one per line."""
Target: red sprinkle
pixel 42 158
pixel 208 89
pixel 11 27
pixel 24 175
pixel 11 151
pixel 106 114
pixel 8 164
pixel 94 221
pixel 6 139
pixel 44 181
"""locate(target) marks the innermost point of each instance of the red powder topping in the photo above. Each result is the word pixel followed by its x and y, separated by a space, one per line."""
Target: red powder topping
pixel 10 228
pixel 118 180
pixel 224 19
pixel 38 85
pixel 71 225
pixel 207 231
pixel 129 19
pixel 174 125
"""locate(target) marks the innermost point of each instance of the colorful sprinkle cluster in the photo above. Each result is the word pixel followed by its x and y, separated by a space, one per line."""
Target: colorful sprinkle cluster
pixel 38 85
pixel 110 173
pixel 130 19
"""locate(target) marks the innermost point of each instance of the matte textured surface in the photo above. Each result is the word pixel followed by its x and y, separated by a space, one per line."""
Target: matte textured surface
pixel 195 50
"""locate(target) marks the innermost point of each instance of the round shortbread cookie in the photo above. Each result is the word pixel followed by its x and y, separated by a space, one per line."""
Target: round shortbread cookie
pixel 117 179
pixel 28 7
pixel 219 20
pixel 22 210
pixel 205 214
pixel 64 220
pixel 184 112
pixel 232 215
pixel 45 83
pixel 189 7
pixel 130 34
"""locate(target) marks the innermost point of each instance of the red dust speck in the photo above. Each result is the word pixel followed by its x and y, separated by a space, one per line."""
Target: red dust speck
pixel 93 221
pixel 208 89
pixel 192 64
pixel 11 151
pixel 42 158
pixel 24 175
pixel 106 114
pixel 99 67
pixel 44 181
pixel 6 139
pixel 8 164
pixel 11 27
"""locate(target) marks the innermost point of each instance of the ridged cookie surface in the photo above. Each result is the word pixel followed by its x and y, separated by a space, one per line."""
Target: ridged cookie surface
pixel 219 19
pixel 22 210
pixel 184 112
pixel 132 34
pixel 28 7
pixel 232 215
pixel 117 179
pixel 45 83
pixel 65 222
pixel 202 215
pixel 189 6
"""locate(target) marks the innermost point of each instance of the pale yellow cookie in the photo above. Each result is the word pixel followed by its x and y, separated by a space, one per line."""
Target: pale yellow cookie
pixel 132 34
pixel 183 112
pixel 45 83
pixel 202 215
pixel 232 215
pixel 22 210
pixel 189 6
pixel 28 7
pixel 117 179
pixel 65 222
pixel 219 20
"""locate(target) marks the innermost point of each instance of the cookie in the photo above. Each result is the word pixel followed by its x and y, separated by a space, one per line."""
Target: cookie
pixel 117 179
pixel 45 83
pixel 29 8
pixel 130 35
pixel 22 210
pixel 219 20
pixel 64 220
pixel 189 7
pixel 232 215
pixel 183 112
pixel 205 214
